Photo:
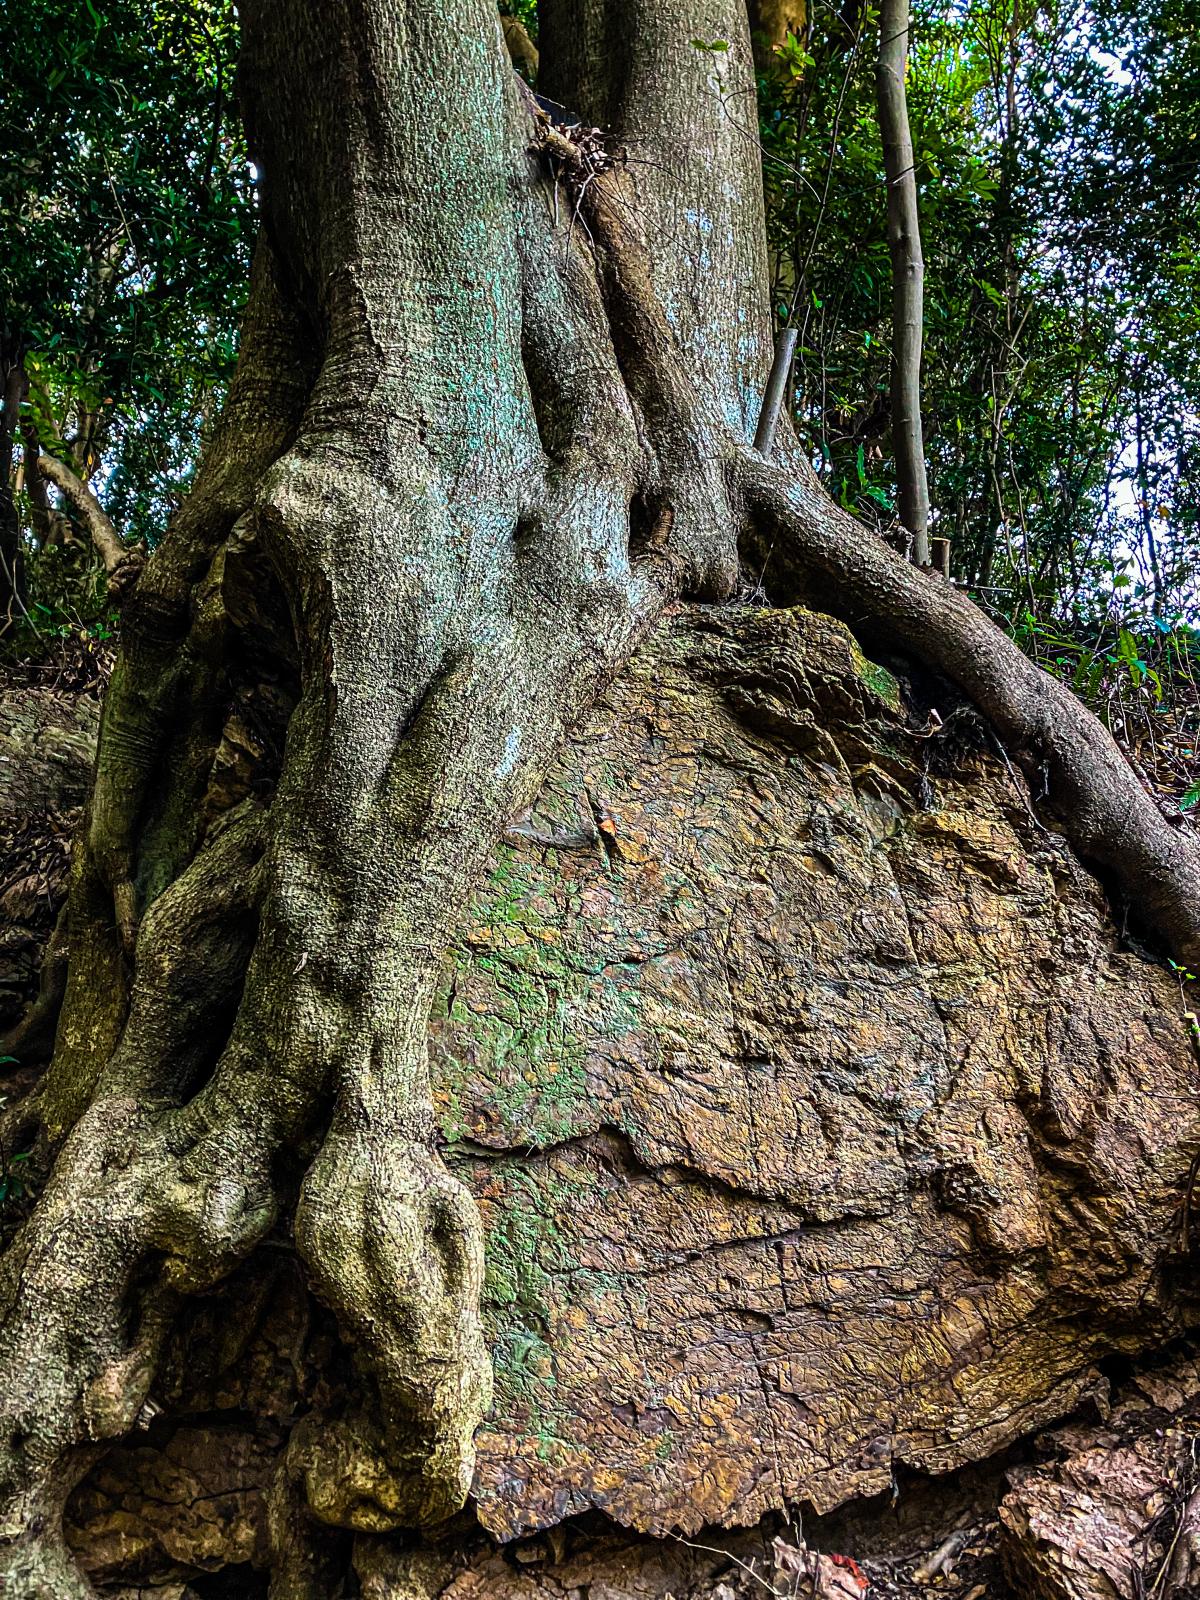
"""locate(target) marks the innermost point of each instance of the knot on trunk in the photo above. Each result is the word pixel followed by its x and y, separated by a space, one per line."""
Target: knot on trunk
pixel 123 577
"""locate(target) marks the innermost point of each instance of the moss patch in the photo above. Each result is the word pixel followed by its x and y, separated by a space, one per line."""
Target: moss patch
pixel 879 680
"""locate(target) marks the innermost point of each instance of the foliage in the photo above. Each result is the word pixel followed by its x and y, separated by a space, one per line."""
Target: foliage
pixel 68 596
pixel 1058 156
pixel 1143 682
pixel 525 12
pixel 125 192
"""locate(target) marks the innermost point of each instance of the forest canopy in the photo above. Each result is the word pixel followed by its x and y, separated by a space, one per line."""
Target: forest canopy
pixel 128 216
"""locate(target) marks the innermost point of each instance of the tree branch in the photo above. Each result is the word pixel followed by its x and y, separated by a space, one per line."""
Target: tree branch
pixel 89 510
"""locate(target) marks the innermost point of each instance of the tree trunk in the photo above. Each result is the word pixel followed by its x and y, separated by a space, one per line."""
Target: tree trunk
pixel 491 417
pixel 12 574
pixel 908 275
pixel 770 23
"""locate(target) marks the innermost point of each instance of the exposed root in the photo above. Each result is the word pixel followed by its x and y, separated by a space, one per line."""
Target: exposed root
pixel 135 1191
pixel 142 708
pixel 394 1245
pixel 1092 792
pixel 306 1554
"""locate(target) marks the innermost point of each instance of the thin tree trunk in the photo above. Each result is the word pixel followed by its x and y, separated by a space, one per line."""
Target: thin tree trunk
pixel 12 572
pixel 1146 508
pixel 908 275
pixel 48 525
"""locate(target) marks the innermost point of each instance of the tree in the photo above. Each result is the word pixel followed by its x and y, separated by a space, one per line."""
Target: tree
pixel 908 274
pixel 1045 139
pixel 490 417
pixel 124 185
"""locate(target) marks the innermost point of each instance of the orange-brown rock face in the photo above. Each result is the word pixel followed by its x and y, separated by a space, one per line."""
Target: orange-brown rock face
pixel 1116 1511
pixel 819 1120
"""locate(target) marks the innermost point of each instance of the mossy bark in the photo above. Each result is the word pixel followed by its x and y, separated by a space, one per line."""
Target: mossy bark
pixel 490 418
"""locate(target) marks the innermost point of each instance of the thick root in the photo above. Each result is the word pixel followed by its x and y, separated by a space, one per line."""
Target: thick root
pixel 818 551
pixel 139 1185
pixel 394 1245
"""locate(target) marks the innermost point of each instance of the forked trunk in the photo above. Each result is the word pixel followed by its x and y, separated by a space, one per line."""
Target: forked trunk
pixel 491 417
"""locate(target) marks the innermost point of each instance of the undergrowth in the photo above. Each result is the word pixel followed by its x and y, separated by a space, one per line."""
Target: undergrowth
pixel 1140 675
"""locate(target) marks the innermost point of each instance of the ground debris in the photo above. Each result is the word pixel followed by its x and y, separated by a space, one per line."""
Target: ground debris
pixel 965 1564
pixel 49 712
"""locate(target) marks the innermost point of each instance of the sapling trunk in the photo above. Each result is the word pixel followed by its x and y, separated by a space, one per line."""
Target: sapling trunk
pixel 908 275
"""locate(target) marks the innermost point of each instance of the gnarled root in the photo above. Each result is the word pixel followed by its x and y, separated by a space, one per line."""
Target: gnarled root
pixel 129 1214
pixel 394 1244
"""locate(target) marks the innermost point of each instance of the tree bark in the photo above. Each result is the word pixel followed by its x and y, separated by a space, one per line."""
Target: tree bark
pixel 12 573
pixel 48 526
pixel 908 275
pixel 491 416
pixel 770 23
pixel 91 513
